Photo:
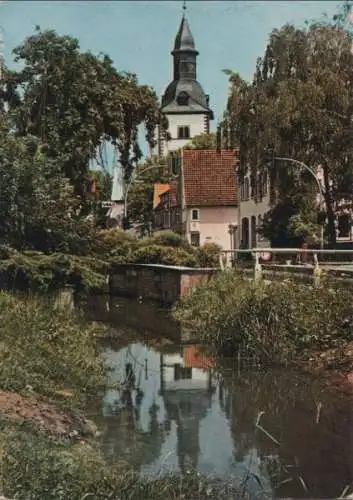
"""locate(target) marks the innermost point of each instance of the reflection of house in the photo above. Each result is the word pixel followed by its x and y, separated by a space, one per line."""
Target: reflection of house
pixel 186 387
pixel 202 203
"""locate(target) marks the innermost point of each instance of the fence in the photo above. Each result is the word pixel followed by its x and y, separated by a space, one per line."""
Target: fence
pixel 264 257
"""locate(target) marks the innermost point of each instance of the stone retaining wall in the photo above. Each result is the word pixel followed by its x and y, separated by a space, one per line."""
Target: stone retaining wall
pixel 163 284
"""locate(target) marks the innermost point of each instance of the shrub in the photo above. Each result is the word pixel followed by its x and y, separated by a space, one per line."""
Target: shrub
pixel 157 254
pixel 274 321
pixel 169 239
pixel 36 271
pixel 208 255
pixel 110 240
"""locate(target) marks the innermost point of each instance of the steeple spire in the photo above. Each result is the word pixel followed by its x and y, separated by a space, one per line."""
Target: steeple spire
pixel 184 41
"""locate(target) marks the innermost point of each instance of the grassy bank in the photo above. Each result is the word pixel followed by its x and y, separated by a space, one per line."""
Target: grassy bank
pixel 33 467
pixel 277 322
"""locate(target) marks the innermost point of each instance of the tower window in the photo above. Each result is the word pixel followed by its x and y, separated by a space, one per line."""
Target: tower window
pixel 184 132
pixel 183 99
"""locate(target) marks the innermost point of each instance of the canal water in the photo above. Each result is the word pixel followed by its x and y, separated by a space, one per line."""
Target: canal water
pixel 167 409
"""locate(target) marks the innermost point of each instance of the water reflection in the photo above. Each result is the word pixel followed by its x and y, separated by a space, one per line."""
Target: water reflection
pixel 167 410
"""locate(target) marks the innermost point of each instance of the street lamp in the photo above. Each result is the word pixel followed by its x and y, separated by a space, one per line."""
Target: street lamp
pixel 317 180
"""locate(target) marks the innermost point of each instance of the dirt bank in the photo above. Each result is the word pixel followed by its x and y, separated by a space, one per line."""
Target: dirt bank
pixel 44 416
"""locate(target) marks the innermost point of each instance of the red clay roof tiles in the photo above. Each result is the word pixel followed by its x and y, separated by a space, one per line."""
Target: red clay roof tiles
pixel 210 177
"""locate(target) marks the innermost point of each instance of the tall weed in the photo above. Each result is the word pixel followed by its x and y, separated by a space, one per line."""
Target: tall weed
pixel 274 321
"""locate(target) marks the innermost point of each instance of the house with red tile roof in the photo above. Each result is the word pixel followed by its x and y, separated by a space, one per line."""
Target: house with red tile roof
pixel 202 203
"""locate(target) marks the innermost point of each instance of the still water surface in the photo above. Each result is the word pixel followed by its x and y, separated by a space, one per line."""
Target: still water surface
pixel 168 410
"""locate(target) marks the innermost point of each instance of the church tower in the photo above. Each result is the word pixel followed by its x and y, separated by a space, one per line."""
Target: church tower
pixel 184 102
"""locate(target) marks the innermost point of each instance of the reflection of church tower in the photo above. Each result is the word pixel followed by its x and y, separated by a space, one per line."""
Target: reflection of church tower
pixel 186 387
pixel 184 102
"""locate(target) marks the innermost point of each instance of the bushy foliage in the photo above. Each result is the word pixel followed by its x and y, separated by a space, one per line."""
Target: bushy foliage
pixel 165 247
pixel 109 241
pixel 299 105
pixel 208 255
pixel 274 321
pixel 43 273
pixel 46 349
pixel 38 206
pixel 158 254
pixel 170 239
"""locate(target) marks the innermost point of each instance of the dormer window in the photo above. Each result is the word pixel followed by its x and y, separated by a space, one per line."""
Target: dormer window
pixel 183 99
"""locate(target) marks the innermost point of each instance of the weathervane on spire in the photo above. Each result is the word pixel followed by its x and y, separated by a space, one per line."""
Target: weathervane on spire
pixel 184 5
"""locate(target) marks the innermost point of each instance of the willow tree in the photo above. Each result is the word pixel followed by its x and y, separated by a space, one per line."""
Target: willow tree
pixel 300 105
pixel 74 101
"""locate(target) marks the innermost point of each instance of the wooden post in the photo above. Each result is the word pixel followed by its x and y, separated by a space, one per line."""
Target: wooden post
pixel 257 269
pixel 65 299
pixel 317 270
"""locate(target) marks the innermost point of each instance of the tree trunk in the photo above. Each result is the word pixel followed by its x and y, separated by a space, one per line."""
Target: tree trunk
pixel 331 229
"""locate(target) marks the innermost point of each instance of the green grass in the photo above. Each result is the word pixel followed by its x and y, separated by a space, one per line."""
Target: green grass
pixel 47 349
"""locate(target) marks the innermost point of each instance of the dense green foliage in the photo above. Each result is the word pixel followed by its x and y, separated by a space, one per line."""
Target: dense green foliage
pixel 75 101
pixel 140 194
pixel 47 349
pixel 274 321
pixel 300 106
pixel 34 271
pixel 40 272
pixel 62 107
pixel 162 248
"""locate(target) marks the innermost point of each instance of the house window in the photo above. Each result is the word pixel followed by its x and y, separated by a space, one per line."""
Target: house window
pixel 195 239
pixel 244 190
pixel 182 372
pixel 253 186
pixel 253 232
pixel 195 214
pixel 184 132
pixel 259 226
pixel 264 184
pixel 344 226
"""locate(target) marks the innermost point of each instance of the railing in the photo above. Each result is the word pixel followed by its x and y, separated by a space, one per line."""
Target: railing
pixel 264 256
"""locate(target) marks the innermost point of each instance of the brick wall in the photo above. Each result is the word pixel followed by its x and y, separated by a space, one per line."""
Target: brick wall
pixel 189 281
pixel 163 284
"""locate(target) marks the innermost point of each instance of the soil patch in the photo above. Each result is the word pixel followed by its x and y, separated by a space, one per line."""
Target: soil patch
pixel 42 415
pixel 335 366
pixel 339 358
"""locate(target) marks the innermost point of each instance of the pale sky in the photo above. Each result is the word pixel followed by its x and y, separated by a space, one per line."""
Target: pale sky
pixel 138 35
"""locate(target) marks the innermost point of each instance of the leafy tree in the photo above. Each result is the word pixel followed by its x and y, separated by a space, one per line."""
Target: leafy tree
pixel 140 197
pixel 203 141
pixel 38 208
pixel 74 101
pixel 100 191
pixel 300 103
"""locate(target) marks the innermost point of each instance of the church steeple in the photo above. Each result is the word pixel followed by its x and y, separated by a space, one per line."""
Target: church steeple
pixel 184 52
pixel 184 102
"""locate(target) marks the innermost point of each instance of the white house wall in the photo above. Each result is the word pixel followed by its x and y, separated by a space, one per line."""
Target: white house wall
pixel 213 225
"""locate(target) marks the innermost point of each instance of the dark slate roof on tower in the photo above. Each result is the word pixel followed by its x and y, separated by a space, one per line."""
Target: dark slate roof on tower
pixel 184 39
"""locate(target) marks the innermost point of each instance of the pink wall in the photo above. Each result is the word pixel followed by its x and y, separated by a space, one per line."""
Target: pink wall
pixel 213 225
